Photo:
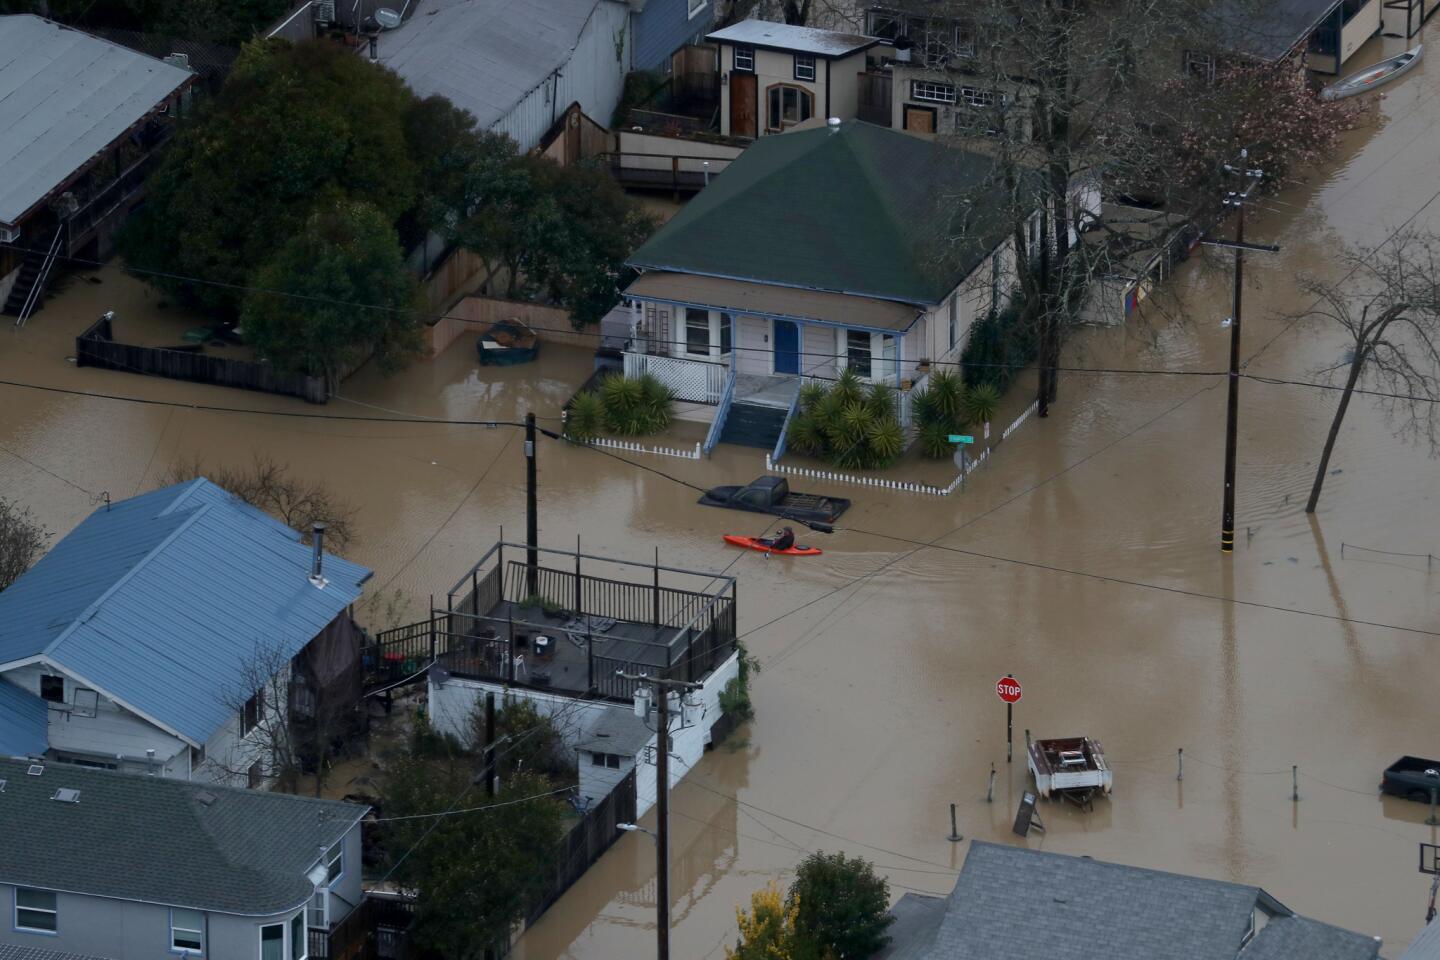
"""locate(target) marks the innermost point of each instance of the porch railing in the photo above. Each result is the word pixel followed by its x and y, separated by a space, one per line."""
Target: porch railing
pixel 697 381
pixel 717 427
pixel 780 443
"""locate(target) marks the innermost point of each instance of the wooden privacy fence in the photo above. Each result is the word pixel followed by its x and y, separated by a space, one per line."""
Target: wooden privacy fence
pixel 551 323
pixel 96 347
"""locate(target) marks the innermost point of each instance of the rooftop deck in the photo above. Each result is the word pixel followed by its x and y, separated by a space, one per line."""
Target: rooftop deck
pixel 565 630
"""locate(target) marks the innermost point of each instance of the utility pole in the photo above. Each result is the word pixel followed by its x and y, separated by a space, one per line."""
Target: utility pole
pixel 661 688
pixel 532 522
pixel 1236 199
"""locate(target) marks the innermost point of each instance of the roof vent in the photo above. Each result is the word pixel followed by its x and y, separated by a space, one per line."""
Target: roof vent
pixel 317 541
pixel 205 798
pixel 35 769
pixel 67 795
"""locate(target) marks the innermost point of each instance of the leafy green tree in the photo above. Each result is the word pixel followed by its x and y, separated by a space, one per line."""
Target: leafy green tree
pixel 840 906
pixel 460 166
pixel 293 128
pixel 474 873
pixel 343 255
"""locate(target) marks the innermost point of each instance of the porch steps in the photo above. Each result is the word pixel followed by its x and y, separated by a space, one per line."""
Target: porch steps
pixel 753 425
pixel 30 269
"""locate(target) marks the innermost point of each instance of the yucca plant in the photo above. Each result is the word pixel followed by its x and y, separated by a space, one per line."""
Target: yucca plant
pixel 924 408
pixel 981 402
pixel 812 395
pixel 934 439
pixel 948 393
pixel 805 435
pixel 587 416
pixel 880 400
pixel 848 387
pixel 886 441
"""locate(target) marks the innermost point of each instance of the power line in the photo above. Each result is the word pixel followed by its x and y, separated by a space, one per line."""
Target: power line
pixel 488 806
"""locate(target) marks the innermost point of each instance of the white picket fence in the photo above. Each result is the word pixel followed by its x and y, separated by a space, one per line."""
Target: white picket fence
pixel 900 486
pixel 630 446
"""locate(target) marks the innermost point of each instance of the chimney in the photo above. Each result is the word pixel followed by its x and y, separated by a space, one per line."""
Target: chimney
pixel 317 544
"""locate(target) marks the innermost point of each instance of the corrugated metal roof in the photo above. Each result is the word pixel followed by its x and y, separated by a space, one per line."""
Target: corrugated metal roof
pixel 485 55
pixel 161 600
pixel 783 36
pixel 23 722
pixel 64 97
pixel 1426 946
pixel 787 303
pixel 158 840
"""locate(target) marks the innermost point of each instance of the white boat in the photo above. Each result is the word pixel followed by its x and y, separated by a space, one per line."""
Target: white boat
pixel 1372 77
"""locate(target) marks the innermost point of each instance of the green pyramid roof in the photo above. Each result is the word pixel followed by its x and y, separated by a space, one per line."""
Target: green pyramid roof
pixel 855 209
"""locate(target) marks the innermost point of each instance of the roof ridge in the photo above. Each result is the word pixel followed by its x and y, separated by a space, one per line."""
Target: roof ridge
pixel 94 606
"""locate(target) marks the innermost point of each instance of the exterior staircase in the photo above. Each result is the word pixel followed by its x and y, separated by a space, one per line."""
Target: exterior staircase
pixel 753 425
pixel 34 273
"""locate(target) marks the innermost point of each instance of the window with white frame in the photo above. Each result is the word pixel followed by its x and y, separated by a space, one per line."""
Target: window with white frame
pixel 977 97
pixel 857 352
pixel 884 24
pixel 788 105
pixel 36 911
pixel 697 331
pixel 1201 65
pixel 187 931
pixel 285 940
pixel 335 862
pixel 931 92
pixel 745 59
pixel 318 913
pixel 804 67
pixel 964 39
pixel 727 325
pixel 976 113
pixel 254 710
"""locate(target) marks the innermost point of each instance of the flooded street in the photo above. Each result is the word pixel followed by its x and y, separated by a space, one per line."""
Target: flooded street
pixel 1083 558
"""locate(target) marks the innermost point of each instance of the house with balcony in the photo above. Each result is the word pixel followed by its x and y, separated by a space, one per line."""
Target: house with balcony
pixel 848 247
pixel 775 77
pixel 97 863
pixel 557 628
pixel 165 635
pixel 83 121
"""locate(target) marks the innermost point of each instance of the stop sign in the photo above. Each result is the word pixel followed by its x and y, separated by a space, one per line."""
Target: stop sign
pixel 1007 688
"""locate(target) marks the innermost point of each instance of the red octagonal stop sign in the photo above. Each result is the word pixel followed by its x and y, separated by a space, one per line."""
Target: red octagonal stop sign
pixel 1007 688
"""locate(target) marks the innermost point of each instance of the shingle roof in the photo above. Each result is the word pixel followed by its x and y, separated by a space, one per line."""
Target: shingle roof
pixel 1271 28
pixel 1012 903
pixel 855 209
pixel 12 952
pixel 617 731
pixel 64 97
pixel 784 36
pixel 484 56
pixel 160 602
pixel 1300 938
pixel 24 720
pixel 917 918
pixel 155 839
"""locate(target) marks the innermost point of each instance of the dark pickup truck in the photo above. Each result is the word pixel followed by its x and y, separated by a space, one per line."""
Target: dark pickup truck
pixel 1412 778
pixel 772 495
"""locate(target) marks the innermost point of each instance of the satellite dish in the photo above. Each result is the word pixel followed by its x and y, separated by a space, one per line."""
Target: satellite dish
pixel 387 18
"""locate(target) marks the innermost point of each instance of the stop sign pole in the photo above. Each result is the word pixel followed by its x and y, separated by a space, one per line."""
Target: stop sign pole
pixel 1007 688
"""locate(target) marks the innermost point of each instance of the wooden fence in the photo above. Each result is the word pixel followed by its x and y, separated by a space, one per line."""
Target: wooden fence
pixel 96 347
pixel 551 323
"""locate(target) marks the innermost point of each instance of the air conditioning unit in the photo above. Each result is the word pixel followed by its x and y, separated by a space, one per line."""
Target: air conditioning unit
pixel 325 11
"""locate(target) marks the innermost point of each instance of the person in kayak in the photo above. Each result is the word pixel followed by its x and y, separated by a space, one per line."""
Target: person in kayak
pixel 784 541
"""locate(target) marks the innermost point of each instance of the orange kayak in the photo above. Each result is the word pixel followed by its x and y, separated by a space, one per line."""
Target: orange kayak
pixel 753 543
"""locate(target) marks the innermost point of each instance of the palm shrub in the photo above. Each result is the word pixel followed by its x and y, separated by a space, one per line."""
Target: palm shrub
pixel 587 416
pixel 948 393
pixel 940 410
pixel 633 406
pixel 848 424
pixel 934 439
pixel 981 402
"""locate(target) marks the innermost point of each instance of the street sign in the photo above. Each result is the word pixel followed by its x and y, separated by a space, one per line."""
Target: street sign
pixel 1007 688
pixel 961 460
pixel 961 438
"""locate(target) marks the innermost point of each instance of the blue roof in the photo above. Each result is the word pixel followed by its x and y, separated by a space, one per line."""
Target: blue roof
pixel 160 602
pixel 23 719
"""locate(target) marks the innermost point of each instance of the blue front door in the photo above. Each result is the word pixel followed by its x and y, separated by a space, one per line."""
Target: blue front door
pixel 787 347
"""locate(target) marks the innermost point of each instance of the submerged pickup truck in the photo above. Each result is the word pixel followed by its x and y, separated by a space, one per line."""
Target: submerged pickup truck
pixel 772 495
pixel 1412 778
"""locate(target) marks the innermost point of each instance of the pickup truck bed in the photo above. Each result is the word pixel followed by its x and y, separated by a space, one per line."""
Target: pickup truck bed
pixel 1412 778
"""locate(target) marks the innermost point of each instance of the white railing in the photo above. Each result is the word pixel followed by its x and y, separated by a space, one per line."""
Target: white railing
pixel 697 381
pixel 717 426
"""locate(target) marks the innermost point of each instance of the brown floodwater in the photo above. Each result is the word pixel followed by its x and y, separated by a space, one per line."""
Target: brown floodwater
pixel 1083 558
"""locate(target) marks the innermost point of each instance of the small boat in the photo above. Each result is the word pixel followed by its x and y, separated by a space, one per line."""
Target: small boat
pixel 1372 77
pixel 754 543
pixel 507 342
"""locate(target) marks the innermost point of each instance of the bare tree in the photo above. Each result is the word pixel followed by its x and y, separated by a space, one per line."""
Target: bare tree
pixel 272 487
pixel 289 721
pixel 1389 307
pixel 22 541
